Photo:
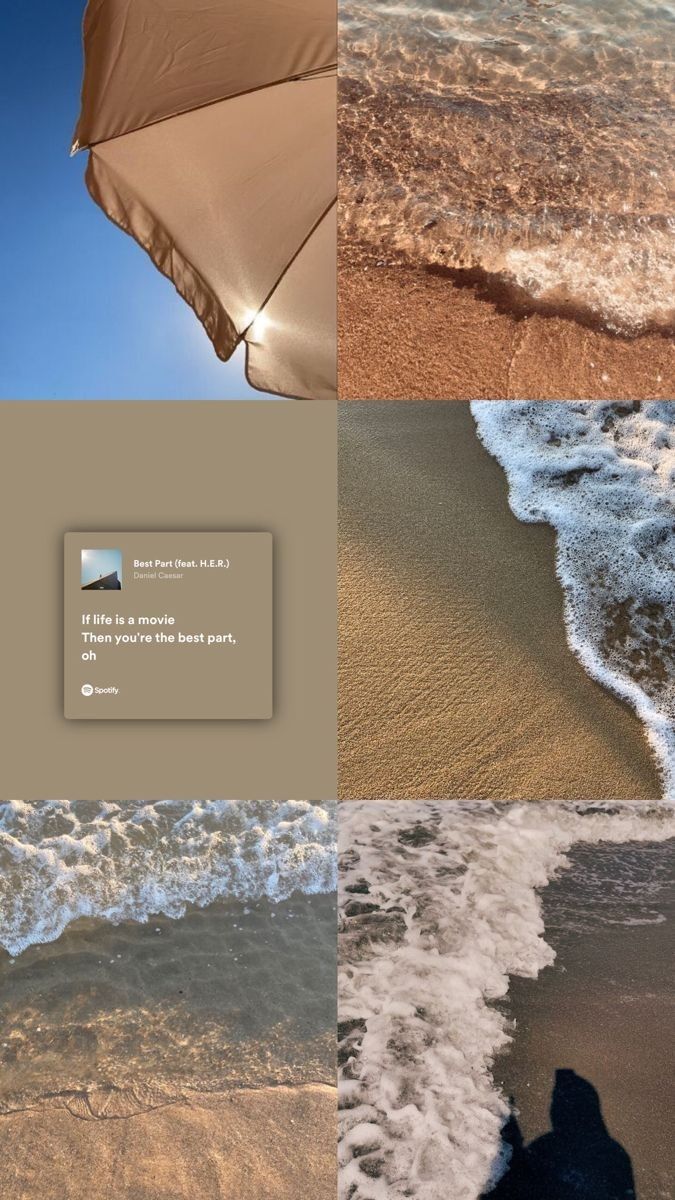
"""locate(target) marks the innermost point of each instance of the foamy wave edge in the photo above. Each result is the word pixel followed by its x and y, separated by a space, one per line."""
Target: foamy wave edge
pixel 65 860
pixel 529 504
pixel 419 1111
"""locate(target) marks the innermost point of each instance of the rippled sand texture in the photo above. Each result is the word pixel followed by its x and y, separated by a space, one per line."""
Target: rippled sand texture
pixel 530 138
pixel 456 678
pixel 528 143
pixel 278 1143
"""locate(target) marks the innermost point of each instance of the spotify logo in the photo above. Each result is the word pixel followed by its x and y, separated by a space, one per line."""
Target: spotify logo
pixel 87 689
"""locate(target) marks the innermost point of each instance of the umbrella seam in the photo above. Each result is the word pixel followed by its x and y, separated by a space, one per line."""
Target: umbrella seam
pixel 236 338
pixel 318 73
pixel 289 264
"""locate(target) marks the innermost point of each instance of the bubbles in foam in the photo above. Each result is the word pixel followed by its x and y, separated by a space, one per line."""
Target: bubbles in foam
pixel 627 279
pixel 61 860
pixel 603 475
pixel 438 907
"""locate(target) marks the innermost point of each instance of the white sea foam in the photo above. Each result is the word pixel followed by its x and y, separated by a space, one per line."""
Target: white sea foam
pixel 537 148
pixel 438 907
pixel 603 475
pixel 61 860
pixel 629 280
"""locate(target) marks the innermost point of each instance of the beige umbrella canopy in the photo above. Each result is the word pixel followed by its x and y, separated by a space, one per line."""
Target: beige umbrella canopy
pixel 211 126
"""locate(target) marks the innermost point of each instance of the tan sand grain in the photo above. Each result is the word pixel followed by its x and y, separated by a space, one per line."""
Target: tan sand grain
pixel 276 1143
pixel 406 334
pixel 456 680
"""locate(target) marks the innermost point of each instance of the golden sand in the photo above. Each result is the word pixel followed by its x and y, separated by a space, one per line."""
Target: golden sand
pixel 456 680
pixel 407 334
pixel 277 1143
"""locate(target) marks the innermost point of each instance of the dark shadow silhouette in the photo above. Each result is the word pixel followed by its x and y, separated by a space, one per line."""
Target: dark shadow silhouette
pixel 576 1160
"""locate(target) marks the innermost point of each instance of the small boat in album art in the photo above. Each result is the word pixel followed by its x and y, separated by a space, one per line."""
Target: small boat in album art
pixel 105 583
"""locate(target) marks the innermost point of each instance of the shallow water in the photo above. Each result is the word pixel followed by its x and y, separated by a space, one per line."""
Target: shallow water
pixel 607 888
pixel 603 476
pixel 154 949
pixel 440 906
pixel 529 139
pixel 134 1014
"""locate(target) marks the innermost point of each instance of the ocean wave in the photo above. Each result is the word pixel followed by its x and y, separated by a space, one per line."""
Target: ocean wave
pixel 62 860
pixel 603 475
pixel 529 141
pixel 438 908
pixel 628 277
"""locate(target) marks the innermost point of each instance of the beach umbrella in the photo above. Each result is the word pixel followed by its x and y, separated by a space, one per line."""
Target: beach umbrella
pixel 211 130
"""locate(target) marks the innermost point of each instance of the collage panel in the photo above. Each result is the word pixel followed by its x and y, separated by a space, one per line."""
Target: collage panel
pixel 170 229
pixel 507 600
pixel 504 1016
pixel 337 467
pixel 217 654
pixel 506 200
pixel 167 999
pixel 168 966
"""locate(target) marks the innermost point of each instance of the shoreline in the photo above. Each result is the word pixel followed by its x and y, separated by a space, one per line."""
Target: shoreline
pixel 407 333
pixel 456 678
pixel 229 995
pixel 273 1141
pixel 603 1010
pixel 172 1058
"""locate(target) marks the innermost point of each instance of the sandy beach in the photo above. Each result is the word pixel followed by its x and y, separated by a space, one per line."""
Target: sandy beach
pixel 489 952
pixel 406 333
pixel 456 680
pixel 170 1057
pixel 603 1010
pixel 274 1142
pixel 505 205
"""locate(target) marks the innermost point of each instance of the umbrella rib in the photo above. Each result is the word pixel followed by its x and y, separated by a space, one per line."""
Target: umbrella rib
pixel 306 76
pixel 127 227
pixel 289 264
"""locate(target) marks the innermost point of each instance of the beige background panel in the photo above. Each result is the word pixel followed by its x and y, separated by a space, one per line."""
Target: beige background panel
pixel 255 467
pixel 146 671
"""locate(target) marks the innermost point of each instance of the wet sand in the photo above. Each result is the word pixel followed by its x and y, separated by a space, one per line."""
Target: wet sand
pixel 274 1142
pixel 605 1010
pixel 456 680
pixel 408 334
pixel 173 1058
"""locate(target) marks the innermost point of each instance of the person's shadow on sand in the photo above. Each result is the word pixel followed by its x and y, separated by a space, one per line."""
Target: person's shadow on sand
pixel 577 1160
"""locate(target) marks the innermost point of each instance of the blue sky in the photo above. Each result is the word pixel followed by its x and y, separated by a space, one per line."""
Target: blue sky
pixel 84 315
pixel 98 563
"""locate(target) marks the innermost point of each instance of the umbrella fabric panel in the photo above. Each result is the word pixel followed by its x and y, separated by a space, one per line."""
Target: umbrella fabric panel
pixel 146 60
pixel 291 346
pixel 223 198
